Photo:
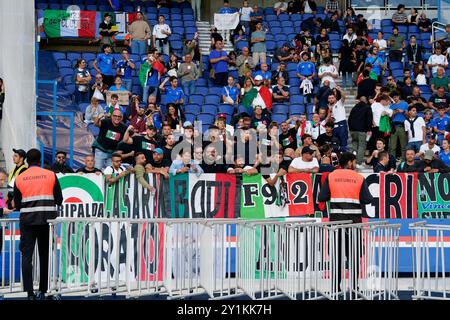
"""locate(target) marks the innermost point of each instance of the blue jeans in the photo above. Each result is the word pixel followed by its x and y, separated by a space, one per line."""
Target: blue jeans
pixel 81 97
pixel 127 83
pixel 414 145
pixel 139 47
pixel 102 159
pixel 149 91
pixel 189 87
pixel 341 132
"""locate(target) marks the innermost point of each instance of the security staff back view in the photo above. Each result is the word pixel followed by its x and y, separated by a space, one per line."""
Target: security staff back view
pixel 36 194
pixel 346 190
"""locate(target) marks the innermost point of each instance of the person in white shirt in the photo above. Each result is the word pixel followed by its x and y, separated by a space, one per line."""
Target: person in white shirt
pixel 379 109
pixel 317 126
pixel 328 71
pixel 117 169
pixel 307 163
pixel 280 7
pixel 161 33
pixel 437 60
pixel 336 106
pixel 416 129
pixel 431 145
pixel 350 36
pixel 382 44
pixel 245 12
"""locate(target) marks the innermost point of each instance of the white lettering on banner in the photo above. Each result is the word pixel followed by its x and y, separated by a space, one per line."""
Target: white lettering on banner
pixel 226 21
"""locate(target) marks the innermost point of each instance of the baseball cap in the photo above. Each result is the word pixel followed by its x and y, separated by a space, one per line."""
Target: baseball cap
pixel 20 152
pixel 307 150
pixel 221 115
pixel 187 124
pixel 258 77
pixel 431 136
pixel 107 15
pixel 429 155
pixel 159 151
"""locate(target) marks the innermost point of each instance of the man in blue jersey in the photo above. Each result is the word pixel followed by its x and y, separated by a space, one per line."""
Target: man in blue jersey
pixel 125 68
pixel 104 65
pixel 305 68
pixel 174 94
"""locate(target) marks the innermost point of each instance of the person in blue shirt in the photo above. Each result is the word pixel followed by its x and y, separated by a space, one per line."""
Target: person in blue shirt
pixel 375 61
pixel 264 73
pixel 440 124
pixel 218 58
pixel 305 68
pixel 226 8
pixel 398 118
pixel 104 64
pixel 125 68
pixel 444 155
pixel 115 5
pixel 174 94
pixel 118 85
pixel 185 165
pixel 230 93
pixel 149 76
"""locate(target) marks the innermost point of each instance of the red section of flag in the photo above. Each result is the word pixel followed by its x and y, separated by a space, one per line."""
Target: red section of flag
pixel 147 249
pixel 131 17
pixel 322 205
pixel 300 191
pixel 87 24
pixel 266 95
pixel 227 195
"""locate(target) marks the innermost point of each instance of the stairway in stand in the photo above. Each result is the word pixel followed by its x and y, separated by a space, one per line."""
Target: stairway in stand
pixel 204 32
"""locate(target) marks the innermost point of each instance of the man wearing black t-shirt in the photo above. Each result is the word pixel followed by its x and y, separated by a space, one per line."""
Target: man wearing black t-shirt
pixel 112 131
pixel 89 166
pixel 145 144
pixel 260 118
pixel 288 137
pixel 159 164
pixel 213 163
pixel 328 137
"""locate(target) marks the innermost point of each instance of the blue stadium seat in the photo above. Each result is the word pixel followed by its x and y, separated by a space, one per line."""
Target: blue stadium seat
pixel 201 90
pixel 215 90
pixel 241 44
pixel 190 117
pixel 283 17
pixel 294 90
pixel 297 108
pixel 59 55
pixel 201 82
pixel 205 118
pixel 294 81
pixel 287 23
pixel 225 108
pixel 386 23
pixel 273 24
pixel 178 30
pixel 66 71
pixel 73 56
pixel 189 23
pixel 176 17
pixel 212 99
pixel 402 29
pixel 335 45
pixel 209 109
pixel 413 29
pixel 177 23
pixel 291 66
pixel 280 108
pixel 427 96
pixel 270 46
pixel 82 107
pixel 425 36
pixel 176 45
pixel 275 31
pixel 54 6
pixel 287 30
pixel 334 36
pixel 93 129
pixel 310 108
pixel 196 98
pixel 279 118
pixel 295 17
pixel 192 108
pixel 425 88
pixel 64 64
pixel 270 18
pixel 297 98
pixel 307 16
pixel 396 65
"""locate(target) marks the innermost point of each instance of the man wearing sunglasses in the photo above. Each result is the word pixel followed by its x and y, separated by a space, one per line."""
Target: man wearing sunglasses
pixel 60 165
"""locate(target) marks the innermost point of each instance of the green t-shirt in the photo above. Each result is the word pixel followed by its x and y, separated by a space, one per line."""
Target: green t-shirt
pixel 397 42
pixel 440 82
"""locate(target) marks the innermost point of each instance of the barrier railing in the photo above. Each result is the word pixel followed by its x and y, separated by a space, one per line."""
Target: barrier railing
pixel 223 258
pixel 430 246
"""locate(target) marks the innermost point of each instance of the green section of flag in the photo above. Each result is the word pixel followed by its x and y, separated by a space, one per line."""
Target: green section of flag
pixel 114 204
pixel 52 22
pixel 431 187
pixel 179 195
pixel 253 207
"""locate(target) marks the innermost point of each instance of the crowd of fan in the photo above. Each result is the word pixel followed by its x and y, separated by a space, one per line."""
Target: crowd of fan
pixel 392 126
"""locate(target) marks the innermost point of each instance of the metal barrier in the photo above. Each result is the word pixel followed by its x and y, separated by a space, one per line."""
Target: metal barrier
pixel 429 245
pixel 223 258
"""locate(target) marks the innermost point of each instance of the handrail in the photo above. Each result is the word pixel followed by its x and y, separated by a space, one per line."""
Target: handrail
pixel 436 25
pixel 55 92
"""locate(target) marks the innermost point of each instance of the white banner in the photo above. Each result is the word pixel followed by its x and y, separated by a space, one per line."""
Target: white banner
pixel 226 21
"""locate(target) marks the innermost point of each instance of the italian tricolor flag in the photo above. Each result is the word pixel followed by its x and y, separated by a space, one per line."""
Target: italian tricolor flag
pixel 75 23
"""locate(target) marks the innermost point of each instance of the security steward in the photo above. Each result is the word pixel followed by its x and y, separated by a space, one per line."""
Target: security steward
pixel 347 192
pixel 36 194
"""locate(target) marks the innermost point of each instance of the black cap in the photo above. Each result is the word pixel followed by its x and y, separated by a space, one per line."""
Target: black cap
pixel 431 136
pixel 307 150
pixel 107 15
pixel 21 153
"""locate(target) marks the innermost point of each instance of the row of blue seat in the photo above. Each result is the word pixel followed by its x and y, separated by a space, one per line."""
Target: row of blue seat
pixel 143 4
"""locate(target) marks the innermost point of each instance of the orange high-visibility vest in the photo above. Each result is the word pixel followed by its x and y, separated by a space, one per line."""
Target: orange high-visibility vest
pixel 36 186
pixel 345 188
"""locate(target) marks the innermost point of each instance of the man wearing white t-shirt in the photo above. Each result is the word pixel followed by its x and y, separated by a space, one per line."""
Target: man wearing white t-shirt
pixel 327 71
pixel 337 109
pixel 431 145
pixel 161 33
pixel 379 109
pixel 115 168
pixel 306 164
pixel 245 12
pixel 382 44
pixel 416 129
pixel 437 60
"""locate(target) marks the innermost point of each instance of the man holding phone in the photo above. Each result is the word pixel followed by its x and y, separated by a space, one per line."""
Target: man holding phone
pixel 185 165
